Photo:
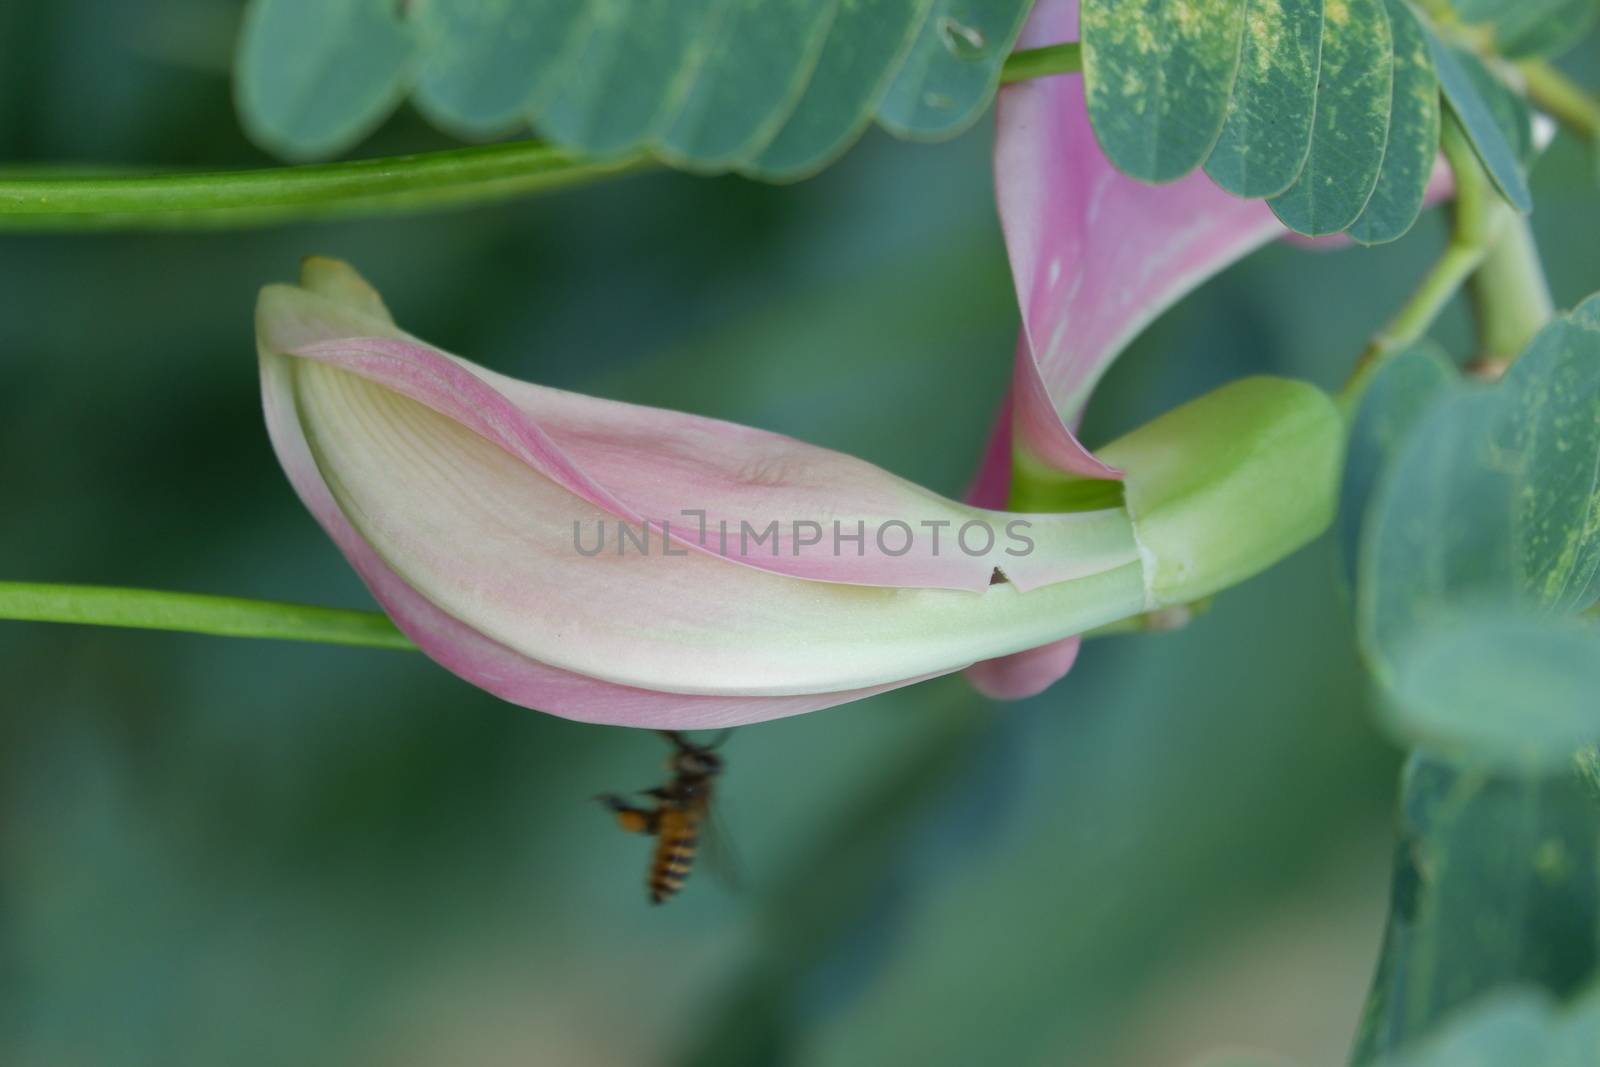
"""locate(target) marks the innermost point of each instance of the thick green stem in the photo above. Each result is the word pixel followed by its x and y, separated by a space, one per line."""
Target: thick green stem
pixel 283 194
pixel 1555 93
pixel 1480 214
pixel 1510 296
pixel 148 609
pixel 1042 62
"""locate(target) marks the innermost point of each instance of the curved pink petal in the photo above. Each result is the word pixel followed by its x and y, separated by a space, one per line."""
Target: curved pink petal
pixel 746 495
pixel 1026 673
pixel 1095 255
pixel 451 490
pixel 486 663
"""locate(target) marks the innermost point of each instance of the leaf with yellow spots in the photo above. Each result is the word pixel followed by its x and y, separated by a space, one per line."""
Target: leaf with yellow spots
pixel 1413 142
pixel 1351 130
pixel 1159 75
pixel 1480 550
pixel 1556 419
pixel 1267 134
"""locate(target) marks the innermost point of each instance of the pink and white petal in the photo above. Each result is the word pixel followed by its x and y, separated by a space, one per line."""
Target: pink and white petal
pixel 1095 255
pixel 490 541
pixel 486 663
pixel 754 497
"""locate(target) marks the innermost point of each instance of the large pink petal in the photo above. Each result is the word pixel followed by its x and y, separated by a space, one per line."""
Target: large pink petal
pixel 1095 255
pixel 715 486
pixel 456 508
pixel 486 663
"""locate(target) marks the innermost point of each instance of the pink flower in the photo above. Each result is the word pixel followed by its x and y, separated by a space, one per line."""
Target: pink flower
pixel 1096 256
pixel 614 563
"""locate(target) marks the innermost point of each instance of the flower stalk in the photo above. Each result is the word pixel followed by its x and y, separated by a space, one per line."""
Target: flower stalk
pixel 354 189
pixel 1510 296
pixel 221 616
pixel 1566 101
pixel 1480 213
pixel 319 191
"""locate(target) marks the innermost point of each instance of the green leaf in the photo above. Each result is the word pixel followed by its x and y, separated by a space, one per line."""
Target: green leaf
pixel 1495 688
pixel 1530 27
pixel 484 60
pixel 1158 78
pixel 1266 135
pixel 1495 883
pixel 1413 141
pixel 868 43
pixel 1587 313
pixel 631 61
pixel 1489 113
pixel 1511 112
pixel 149 609
pixel 1437 556
pixel 1514 1028
pixel 1482 538
pixel 951 71
pixel 1438 529
pixel 1555 414
pixel 1577 1032
pixel 1464 664
pixel 775 88
pixel 1351 128
pixel 1395 399
pixel 749 74
pixel 316 75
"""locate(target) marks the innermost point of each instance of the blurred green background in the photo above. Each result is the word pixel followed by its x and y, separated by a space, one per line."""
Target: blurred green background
pixel 253 853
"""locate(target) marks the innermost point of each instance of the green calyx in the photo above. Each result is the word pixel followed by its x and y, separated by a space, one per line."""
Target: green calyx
pixel 1218 489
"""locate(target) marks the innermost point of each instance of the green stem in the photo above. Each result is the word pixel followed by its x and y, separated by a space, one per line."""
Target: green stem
pixel 1510 296
pixel 282 194
pixel 1042 62
pixel 223 616
pixel 458 177
pixel 1570 104
pixel 1480 213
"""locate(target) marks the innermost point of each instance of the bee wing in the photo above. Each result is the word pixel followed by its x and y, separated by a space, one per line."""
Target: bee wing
pixel 722 857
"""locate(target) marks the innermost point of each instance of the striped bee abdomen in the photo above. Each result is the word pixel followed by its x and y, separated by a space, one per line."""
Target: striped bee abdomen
pixel 677 840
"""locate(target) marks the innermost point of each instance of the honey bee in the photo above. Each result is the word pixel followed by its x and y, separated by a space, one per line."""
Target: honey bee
pixel 681 813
